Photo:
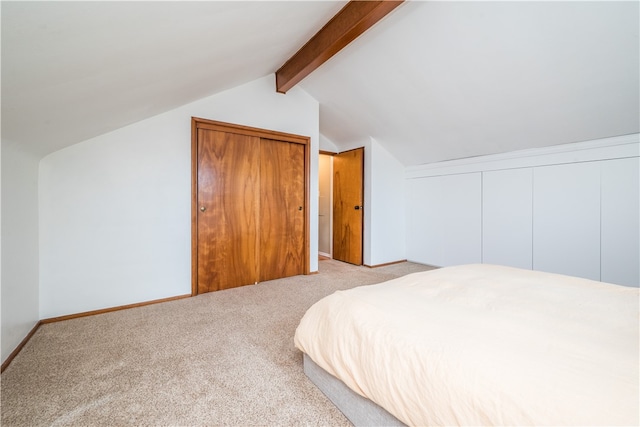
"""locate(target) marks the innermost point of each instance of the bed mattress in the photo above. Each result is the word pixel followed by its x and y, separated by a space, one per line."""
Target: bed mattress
pixel 483 345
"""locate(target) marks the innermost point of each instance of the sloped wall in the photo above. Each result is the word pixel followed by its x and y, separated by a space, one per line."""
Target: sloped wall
pixel 115 210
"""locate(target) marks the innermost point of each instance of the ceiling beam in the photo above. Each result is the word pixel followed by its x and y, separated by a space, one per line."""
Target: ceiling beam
pixel 354 18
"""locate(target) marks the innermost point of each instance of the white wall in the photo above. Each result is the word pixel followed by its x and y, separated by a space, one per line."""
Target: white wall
pixel 2 346
pixel 570 209
pixel 115 221
pixel 19 245
pixel 327 145
pixel 386 207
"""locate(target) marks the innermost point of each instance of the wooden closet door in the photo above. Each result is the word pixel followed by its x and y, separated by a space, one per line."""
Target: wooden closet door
pixel 282 202
pixel 228 203
pixel 348 213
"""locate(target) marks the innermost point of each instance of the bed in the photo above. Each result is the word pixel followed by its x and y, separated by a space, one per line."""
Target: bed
pixel 477 345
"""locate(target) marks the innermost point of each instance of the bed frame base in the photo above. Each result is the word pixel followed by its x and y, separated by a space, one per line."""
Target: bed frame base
pixel 359 410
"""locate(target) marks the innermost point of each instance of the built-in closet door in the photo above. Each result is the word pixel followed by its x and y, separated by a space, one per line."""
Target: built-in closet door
pixel 507 215
pixel 620 221
pixel 281 209
pixel 228 203
pixel 566 219
pixel 447 217
pixel 249 206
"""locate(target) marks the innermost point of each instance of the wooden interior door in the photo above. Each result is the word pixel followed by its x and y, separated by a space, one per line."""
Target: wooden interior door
pixel 227 209
pixel 282 209
pixel 348 212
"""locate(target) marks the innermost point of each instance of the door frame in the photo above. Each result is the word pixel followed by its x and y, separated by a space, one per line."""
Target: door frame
pixel 364 204
pixel 330 154
pixel 200 123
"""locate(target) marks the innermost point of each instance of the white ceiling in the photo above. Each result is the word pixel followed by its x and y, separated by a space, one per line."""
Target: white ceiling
pixel 75 70
pixel 446 80
pixel 432 81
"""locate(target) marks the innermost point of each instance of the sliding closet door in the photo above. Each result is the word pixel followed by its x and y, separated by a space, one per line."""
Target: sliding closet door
pixel 282 215
pixel 228 202
pixel 249 205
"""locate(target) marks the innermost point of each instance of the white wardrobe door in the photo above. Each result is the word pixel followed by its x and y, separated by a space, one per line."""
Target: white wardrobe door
pixel 507 211
pixel 566 219
pixel 620 221
pixel 463 224
pixel 444 225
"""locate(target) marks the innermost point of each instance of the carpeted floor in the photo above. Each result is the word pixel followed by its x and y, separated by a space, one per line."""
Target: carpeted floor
pixel 223 358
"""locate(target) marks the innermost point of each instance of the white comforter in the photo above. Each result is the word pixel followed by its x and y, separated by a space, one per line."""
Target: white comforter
pixel 484 345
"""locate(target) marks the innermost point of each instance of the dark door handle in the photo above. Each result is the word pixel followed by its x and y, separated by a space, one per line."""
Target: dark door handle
pixel 357 207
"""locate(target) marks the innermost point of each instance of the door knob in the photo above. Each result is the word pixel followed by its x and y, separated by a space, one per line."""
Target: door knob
pixel 299 208
pixel 357 207
pixel 202 208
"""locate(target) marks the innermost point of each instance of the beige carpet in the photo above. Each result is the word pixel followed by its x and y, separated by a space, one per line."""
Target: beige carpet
pixel 223 358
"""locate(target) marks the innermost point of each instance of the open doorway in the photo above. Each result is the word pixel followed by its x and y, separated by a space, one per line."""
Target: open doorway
pixel 325 205
pixel 340 206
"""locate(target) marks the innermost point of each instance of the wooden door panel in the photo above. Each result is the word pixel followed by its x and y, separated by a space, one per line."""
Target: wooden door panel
pixel 348 213
pixel 282 215
pixel 230 241
pixel 228 189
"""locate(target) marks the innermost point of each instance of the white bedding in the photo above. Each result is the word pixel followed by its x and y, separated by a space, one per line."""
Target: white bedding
pixel 484 345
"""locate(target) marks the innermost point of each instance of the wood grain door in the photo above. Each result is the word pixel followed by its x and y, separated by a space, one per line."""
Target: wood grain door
pixel 228 203
pixel 282 204
pixel 348 198
pixel 249 205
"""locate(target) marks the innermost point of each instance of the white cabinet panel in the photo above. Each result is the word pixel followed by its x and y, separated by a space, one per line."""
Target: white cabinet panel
pixel 566 219
pixel 507 211
pixel 620 221
pixel 463 219
pixel 444 225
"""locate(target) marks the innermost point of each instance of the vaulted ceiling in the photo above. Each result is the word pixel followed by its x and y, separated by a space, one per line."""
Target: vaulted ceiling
pixel 444 80
pixel 430 82
pixel 74 70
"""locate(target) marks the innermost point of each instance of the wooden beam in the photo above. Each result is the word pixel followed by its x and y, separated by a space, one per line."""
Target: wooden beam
pixel 354 18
